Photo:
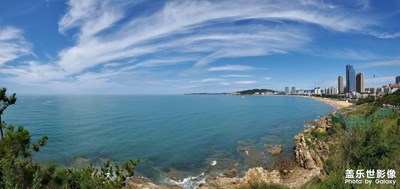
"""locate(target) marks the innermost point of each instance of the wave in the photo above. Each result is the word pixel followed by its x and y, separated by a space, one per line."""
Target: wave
pixel 189 182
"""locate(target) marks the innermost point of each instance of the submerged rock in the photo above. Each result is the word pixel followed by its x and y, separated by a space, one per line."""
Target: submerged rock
pixel 230 174
pixel 277 150
pixel 174 178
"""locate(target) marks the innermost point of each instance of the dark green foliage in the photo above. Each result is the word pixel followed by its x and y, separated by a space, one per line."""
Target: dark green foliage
pixel 368 100
pixel 17 170
pixel 108 176
pixel 5 101
pixel 392 99
pixel 254 91
pixel 367 147
pixel 375 146
pixel 319 135
pixel 263 186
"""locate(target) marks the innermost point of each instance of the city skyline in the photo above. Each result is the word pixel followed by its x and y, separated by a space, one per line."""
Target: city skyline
pixel 176 47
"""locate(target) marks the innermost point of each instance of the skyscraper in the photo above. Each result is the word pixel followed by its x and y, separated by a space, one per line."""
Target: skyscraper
pixel 340 84
pixel 287 90
pixel 398 80
pixel 350 79
pixel 293 90
pixel 360 88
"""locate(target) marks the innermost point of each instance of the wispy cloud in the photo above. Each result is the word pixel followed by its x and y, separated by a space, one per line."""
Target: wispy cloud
pixel 267 78
pixel 231 68
pixel 140 36
pixel 235 75
pixel 12 44
pixel 347 54
pixel 364 4
pixel 245 82
pixel 379 64
pixel 379 81
pixel 387 35
pixel 207 80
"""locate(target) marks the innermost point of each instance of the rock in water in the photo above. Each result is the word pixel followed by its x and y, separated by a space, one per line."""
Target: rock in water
pixel 230 174
pixel 276 150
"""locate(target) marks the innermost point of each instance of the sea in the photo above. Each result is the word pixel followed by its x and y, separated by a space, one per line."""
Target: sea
pixel 185 137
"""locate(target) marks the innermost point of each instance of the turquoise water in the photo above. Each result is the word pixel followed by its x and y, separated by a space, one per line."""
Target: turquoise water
pixel 172 135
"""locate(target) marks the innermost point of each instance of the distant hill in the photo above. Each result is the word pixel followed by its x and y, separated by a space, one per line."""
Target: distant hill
pixel 254 91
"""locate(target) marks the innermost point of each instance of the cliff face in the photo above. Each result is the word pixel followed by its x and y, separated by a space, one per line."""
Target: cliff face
pixel 310 151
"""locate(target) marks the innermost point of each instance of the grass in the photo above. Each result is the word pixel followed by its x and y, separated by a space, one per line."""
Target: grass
pixel 319 135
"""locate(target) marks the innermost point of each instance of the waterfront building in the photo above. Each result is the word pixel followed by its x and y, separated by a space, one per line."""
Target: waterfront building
pixel 286 90
pixel 371 90
pixel 293 90
pixel 317 91
pixel 379 90
pixel 360 81
pixel 395 87
pixel 387 89
pixel 340 84
pixel 350 79
pixel 398 80
pixel 331 91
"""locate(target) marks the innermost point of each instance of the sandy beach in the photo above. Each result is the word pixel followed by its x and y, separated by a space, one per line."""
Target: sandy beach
pixel 336 103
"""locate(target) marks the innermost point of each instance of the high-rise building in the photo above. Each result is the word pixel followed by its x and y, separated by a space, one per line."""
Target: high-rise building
pixel 317 91
pixel 293 90
pixel 287 90
pixel 398 80
pixel 360 88
pixel 331 91
pixel 340 84
pixel 350 79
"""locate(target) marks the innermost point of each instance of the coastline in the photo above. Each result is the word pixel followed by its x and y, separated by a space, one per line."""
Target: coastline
pixel 338 104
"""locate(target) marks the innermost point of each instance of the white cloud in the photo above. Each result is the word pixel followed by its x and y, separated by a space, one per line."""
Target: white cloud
pixel 234 75
pixel 379 64
pixel 267 78
pixel 207 80
pixel 346 54
pixel 387 35
pixel 245 82
pixel 231 68
pixel 136 38
pixel 12 44
pixel 379 81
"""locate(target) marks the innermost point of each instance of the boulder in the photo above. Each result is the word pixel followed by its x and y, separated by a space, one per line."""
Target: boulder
pixel 276 150
pixel 230 174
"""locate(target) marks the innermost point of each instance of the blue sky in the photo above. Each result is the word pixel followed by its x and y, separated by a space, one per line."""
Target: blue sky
pixel 175 47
